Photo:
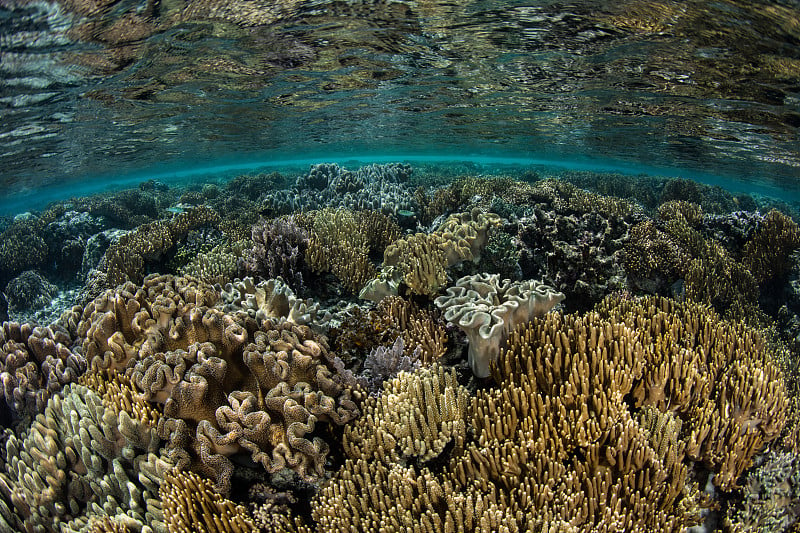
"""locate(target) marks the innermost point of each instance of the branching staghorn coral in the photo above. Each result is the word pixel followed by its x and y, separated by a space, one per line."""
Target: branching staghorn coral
pixel 217 266
pixel 420 329
pixel 718 376
pixel 557 437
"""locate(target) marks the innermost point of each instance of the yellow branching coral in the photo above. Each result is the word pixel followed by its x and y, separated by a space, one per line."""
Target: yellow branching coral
pixel 416 416
pixel 125 260
pixel 557 435
pixel 192 506
pixel 373 496
pixel 717 375
pixel 766 255
pixel 339 244
pixel 418 327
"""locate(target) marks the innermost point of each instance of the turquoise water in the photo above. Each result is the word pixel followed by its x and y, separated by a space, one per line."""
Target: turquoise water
pixel 226 227
pixel 99 91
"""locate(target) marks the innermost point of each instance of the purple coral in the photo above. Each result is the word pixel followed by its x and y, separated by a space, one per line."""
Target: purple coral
pixel 384 363
pixel 279 247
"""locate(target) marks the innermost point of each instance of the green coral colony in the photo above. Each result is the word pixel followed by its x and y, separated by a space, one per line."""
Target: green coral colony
pixel 360 350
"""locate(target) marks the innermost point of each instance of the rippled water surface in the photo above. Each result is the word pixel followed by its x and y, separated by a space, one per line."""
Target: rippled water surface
pixel 101 89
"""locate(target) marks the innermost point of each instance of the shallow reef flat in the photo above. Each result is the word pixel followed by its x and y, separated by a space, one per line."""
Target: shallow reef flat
pixel 395 348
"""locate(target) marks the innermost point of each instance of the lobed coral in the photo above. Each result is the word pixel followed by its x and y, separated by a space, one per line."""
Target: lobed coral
pixel 487 308
pixel 419 261
pixel 34 364
pixel 271 298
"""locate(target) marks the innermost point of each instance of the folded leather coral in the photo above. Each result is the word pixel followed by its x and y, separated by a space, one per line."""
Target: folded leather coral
pixel 487 308
pixel 228 384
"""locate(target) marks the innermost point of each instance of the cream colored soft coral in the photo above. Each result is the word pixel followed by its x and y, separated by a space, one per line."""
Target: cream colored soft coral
pixel 487 308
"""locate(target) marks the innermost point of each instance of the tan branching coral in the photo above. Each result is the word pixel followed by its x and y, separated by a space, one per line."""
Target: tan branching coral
pixel 217 266
pixel 339 244
pixel 125 260
pixel 418 327
pixel 718 376
pixel 371 496
pixel 557 436
pixel 192 506
pixel 415 417
pixel 766 255
pixel 487 308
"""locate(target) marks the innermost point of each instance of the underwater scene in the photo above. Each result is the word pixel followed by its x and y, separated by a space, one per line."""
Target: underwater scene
pixel 399 265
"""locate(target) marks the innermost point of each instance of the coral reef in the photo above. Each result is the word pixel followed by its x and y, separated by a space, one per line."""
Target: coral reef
pixel 419 260
pixel 174 396
pixel 279 248
pixel 192 506
pixel 76 465
pixel 487 308
pixel 34 364
pixel 29 290
pixel 125 260
pixel 269 299
pixel 373 187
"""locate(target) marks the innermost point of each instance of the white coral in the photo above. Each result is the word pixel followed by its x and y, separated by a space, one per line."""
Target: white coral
pixel 487 308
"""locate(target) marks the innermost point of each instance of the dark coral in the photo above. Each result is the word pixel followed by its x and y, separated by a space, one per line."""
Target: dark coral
pixel 279 248
pixel 30 290
pixel 579 254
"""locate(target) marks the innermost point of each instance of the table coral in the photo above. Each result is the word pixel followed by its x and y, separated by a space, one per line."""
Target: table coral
pixel 487 308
